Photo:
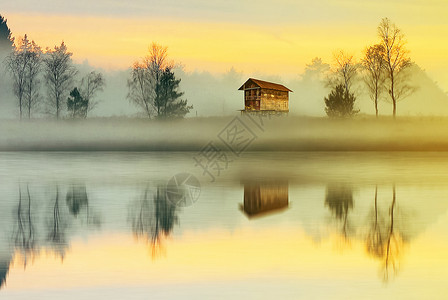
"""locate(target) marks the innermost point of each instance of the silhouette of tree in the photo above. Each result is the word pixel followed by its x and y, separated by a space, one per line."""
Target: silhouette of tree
pixel 340 103
pixel 24 65
pixel 24 233
pixel 397 61
pixel 339 199
pixel 6 39
pixel 77 105
pixel 167 100
pixel 374 65
pixel 153 218
pixel 59 73
pixel 90 85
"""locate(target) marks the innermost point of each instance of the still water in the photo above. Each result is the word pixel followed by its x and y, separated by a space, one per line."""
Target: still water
pixel 264 225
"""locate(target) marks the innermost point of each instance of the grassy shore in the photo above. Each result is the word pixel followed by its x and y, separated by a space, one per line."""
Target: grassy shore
pixel 274 134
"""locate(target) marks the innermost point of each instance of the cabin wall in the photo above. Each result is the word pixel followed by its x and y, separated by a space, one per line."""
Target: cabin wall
pixel 252 99
pixel 274 100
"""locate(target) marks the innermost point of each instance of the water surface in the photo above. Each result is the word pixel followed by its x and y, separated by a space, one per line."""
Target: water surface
pixel 267 224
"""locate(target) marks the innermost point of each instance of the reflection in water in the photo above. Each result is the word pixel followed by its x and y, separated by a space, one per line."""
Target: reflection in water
pixel 76 199
pixel 78 204
pixel 339 199
pixel 375 236
pixel 153 218
pixel 385 240
pixel 30 236
pixel 49 215
pixel 261 197
pixel 24 232
pixel 57 225
pixel 4 269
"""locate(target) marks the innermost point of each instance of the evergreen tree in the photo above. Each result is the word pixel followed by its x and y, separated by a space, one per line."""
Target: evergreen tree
pixel 77 105
pixel 167 101
pixel 6 40
pixel 340 103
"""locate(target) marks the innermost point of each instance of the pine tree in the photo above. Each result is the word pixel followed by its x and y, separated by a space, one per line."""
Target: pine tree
pixel 167 100
pixel 340 103
pixel 6 40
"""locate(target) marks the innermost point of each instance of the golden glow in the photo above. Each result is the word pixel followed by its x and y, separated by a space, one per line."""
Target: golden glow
pixel 218 255
pixel 216 47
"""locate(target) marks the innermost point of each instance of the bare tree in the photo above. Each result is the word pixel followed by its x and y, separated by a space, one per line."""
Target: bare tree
pixel 145 76
pixel 16 64
pixel 397 61
pixel 374 65
pixel 345 70
pixel 24 66
pixel 90 85
pixel 32 84
pixel 140 88
pixel 59 73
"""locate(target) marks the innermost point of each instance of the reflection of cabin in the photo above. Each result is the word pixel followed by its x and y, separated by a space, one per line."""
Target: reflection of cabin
pixel 265 96
pixel 265 196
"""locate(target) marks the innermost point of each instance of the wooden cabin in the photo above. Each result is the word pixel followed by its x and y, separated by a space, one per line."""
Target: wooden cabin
pixel 261 197
pixel 265 96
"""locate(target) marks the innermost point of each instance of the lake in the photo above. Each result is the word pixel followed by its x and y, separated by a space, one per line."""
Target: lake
pixel 260 225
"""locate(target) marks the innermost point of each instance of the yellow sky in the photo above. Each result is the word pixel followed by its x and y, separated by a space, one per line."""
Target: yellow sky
pixel 115 42
pixel 255 37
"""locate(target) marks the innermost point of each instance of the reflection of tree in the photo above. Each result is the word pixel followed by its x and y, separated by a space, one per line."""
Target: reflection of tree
pixel 57 228
pixel 77 201
pixel 4 269
pixel 153 218
pixel 375 236
pixel 384 240
pixel 339 199
pixel 394 242
pixel 24 235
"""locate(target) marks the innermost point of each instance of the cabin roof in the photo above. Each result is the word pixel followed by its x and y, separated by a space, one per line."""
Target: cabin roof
pixel 266 85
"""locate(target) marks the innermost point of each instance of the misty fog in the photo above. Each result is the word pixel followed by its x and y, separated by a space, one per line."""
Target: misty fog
pixel 218 95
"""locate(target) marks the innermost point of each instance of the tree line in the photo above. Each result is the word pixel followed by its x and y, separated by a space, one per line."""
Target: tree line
pixel 153 86
pixel 384 70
